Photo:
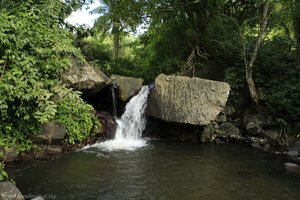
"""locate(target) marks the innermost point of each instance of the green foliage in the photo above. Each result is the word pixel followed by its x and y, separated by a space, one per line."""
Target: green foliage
pixel 3 173
pixel 34 52
pixel 99 51
pixel 280 92
pixel 175 29
pixel 75 115
pixel 276 76
pixel 119 16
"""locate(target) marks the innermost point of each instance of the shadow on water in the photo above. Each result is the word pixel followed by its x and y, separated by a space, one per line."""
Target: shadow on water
pixel 162 170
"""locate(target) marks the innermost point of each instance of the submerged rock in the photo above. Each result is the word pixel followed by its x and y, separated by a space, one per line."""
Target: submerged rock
pixel 38 198
pixel 54 150
pixel 294 153
pixel 292 168
pixel 127 86
pixel 10 192
pixel 84 77
pixel 187 100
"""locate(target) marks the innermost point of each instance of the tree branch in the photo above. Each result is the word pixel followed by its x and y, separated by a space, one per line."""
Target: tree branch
pixel 249 66
pixel 260 34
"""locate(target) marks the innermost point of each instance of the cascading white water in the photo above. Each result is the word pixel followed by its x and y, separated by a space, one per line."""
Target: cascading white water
pixel 130 125
pixel 133 121
pixel 113 96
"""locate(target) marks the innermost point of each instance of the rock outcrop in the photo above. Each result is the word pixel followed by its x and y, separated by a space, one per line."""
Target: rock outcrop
pixel 9 191
pixel 187 100
pixel 127 86
pixel 52 133
pixel 84 77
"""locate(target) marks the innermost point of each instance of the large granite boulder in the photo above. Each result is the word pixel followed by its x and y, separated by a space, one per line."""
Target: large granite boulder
pixel 187 100
pixel 127 86
pixel 9 191
pixel 84 77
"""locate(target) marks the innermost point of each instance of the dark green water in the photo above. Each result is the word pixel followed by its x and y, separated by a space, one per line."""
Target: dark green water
pixel 162 171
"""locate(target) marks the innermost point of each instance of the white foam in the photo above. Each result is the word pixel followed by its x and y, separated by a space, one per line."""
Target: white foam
pixel 121 144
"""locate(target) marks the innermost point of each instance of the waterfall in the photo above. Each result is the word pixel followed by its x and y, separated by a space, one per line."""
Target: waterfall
pixel 114 101
pixel 130 125
pixel 133 121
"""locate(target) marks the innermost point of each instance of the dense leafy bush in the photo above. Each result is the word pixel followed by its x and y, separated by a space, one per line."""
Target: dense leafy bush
pixel 75 115
pixel 34 51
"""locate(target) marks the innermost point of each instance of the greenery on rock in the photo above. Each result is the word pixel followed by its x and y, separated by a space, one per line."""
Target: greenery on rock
pixel 75 115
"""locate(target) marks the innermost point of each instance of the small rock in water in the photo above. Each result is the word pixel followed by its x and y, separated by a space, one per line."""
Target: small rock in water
pixel 99 155
pixel 38 198
pixel 293 153
pixel 292 167
pixel 54 150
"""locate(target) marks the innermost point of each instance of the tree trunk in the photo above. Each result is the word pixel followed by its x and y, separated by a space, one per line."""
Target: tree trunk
pixel 297 29
pixel 249 65
pixel 116 40
pixel 288 35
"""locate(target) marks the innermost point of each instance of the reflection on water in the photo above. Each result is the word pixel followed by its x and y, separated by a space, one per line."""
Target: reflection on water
pixel 162 171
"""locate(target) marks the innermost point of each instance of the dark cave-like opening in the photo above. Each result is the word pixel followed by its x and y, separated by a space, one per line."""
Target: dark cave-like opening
pixel 102 101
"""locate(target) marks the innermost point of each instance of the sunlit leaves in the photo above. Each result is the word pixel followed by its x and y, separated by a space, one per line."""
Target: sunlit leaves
pixel 34 52
pixel 75 115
